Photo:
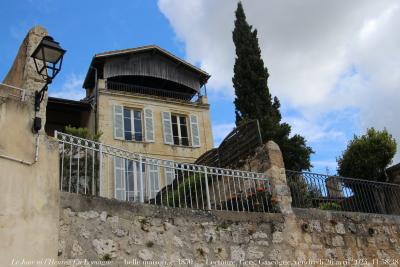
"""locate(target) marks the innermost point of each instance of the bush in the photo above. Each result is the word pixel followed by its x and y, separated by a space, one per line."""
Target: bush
pixel 79 167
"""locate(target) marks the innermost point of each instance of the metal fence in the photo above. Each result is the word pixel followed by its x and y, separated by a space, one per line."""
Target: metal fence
pixel 327 192
pixel 89 167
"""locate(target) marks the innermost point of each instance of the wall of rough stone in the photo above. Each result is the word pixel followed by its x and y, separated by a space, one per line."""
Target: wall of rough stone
pixel 144 235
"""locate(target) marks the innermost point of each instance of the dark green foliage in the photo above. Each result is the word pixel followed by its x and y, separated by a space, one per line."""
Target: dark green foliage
pixel 302 192
pixel 194 187
pixel 367 156
pixel 330 206
pixel 173 196
pixel 253 99
pixel 79 166
pixel 83 133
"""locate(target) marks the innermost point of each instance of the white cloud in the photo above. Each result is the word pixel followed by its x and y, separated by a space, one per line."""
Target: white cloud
pixel 71 88
pixel 313 131
pixel 220 131
pixel 324 57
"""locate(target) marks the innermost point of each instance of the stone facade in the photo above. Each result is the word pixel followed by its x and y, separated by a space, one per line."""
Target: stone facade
pixel 158 148
pixel 123 233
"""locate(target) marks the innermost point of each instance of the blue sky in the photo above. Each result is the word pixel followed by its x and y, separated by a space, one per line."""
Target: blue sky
pixel 325 74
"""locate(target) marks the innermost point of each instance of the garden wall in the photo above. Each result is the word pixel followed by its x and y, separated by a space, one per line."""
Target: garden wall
pixel 96 229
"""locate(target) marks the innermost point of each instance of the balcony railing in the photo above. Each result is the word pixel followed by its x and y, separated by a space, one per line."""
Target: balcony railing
pixel 143 90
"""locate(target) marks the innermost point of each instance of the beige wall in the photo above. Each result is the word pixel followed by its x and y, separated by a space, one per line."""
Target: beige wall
pixel 29 196
pixel 157 148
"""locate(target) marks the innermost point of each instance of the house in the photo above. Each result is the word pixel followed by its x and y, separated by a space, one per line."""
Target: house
pixel 394 173
pixel 144 100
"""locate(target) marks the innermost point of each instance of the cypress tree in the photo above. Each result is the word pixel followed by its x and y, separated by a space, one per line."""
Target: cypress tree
pixel 254 101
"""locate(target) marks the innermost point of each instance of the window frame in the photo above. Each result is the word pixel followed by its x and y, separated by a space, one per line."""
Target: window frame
pixel 178 123
pixel 132 123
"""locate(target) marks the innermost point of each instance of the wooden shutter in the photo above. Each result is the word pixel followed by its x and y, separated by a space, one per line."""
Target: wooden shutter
pixel 169 172
pixel 148 125
pixel 167 127
pixel 119 178
pixel 154 179
pixel 194 127
pixel 118 114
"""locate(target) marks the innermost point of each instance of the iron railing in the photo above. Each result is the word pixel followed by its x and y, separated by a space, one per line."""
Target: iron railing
pixel 143 90
pixel 328 192
pixel 89 167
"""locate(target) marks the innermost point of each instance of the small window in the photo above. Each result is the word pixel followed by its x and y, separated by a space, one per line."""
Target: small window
pixel 180 130
pixel 133 129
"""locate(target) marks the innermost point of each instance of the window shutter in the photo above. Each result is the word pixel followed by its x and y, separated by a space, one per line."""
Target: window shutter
pixel 169 172
pixel 167 127
pixel 119 178
pixel 118 122
pixel 194 126
pixel 148 125
pixel 154 179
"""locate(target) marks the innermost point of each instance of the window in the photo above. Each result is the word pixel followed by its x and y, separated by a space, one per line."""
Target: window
pixel 133 125
pixel 180 130
pixel 176 129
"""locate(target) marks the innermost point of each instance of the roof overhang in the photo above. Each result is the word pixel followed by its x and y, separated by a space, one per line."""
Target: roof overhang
pixel 99 59
pixel 63 104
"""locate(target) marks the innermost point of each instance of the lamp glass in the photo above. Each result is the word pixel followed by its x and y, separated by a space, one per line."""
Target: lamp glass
pixel 48 50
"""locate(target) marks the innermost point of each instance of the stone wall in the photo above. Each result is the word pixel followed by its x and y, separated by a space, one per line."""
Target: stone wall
pixel 143 235
pixel 96 229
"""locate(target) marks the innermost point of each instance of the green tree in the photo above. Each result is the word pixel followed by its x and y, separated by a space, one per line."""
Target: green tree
pixel 367 156
pixel 83 133
pixel 254 101
pixel 79 167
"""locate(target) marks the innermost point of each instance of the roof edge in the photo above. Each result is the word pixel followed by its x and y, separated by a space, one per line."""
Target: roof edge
pixel 97 57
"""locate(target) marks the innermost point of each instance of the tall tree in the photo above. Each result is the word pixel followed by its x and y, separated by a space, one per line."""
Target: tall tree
pixel 254 101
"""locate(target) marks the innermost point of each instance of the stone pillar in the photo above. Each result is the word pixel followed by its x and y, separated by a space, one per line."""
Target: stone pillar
pixel 268 158
pixel 276 173
pixel 29 187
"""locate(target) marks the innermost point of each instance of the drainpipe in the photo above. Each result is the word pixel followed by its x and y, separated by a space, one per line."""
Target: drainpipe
pixel 96 94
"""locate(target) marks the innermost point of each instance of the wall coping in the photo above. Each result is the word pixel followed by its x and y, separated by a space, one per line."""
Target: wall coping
pixel 113 207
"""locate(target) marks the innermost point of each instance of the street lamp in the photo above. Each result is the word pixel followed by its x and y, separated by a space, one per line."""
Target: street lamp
pixel 48 57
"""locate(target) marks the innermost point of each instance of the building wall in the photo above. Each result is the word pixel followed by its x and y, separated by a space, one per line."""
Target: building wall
pixel 394 175
pixel 29 196
pixel 156 149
